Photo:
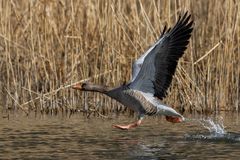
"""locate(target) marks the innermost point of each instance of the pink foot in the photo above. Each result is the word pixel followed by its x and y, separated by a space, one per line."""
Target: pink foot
pixel 126 127
pixel 121 127
pixel 174 119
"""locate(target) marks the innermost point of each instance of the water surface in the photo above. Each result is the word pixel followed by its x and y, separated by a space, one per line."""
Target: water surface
pixel 57 137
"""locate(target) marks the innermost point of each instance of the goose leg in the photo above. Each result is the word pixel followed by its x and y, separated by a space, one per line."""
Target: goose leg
pixel 129 126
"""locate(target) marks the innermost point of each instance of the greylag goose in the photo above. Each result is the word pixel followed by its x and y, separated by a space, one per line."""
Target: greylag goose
pixel 152 74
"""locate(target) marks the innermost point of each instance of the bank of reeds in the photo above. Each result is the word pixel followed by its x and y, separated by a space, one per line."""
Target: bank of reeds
pixel 47 45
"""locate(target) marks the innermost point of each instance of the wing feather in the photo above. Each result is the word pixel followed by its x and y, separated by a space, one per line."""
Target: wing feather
pixel 137 65
pixel 159 62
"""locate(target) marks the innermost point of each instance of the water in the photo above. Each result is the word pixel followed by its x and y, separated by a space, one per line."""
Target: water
pixel 216 128
pixel 46 137
pixel 216 132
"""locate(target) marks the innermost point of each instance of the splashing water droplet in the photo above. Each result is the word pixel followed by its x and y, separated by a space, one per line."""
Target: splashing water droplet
pixel 216 128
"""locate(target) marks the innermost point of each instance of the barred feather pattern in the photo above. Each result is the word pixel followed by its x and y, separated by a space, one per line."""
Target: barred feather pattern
pixel 146 106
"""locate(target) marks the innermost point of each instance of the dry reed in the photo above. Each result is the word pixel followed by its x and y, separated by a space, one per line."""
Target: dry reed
pixel 47 45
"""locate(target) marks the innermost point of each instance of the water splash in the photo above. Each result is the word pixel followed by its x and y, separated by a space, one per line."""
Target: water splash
pixel 213 126
pixel 216 128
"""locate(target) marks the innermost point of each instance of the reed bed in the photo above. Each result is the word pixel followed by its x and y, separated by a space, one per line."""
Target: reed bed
pixel 45 46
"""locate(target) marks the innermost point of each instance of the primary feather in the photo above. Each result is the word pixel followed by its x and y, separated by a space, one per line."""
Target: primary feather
pixel 158 64
pixel 152 74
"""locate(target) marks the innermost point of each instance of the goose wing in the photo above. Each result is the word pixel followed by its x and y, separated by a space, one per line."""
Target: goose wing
pixel 137 65
pixel 160 61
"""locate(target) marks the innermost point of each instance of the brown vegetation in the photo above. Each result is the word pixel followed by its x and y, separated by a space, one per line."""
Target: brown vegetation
pixel 46 45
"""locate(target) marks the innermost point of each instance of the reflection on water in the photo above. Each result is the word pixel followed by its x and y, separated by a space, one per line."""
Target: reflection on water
pixel 80 138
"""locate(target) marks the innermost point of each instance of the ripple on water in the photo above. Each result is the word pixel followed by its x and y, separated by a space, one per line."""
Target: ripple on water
pixel 230 137
pixel 78 138
pixel 216 132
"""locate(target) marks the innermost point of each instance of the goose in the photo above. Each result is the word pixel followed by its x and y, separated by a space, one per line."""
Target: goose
pixel 152 74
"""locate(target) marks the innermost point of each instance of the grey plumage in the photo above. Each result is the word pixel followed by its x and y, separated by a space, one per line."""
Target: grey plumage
pixel 160 63
pixel 152 73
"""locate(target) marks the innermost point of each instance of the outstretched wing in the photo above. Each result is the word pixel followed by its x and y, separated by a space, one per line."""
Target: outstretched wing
pixel 159 65
pixel 137 65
